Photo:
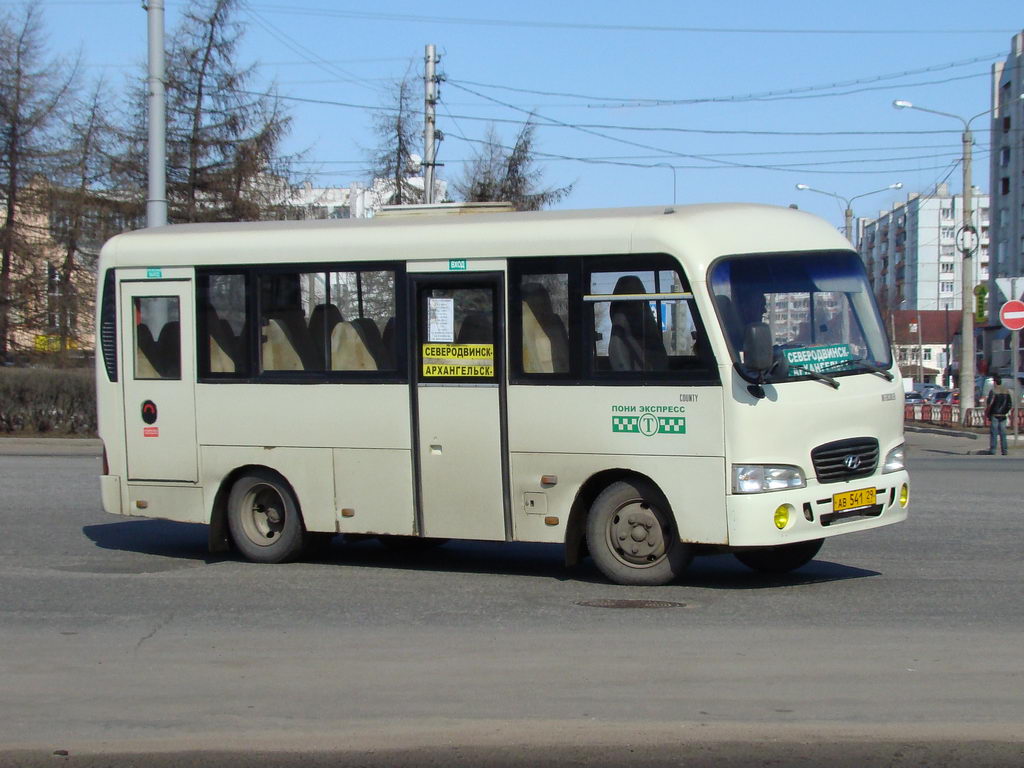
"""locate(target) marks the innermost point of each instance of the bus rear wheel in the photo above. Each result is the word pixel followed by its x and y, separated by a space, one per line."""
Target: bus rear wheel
pixel 264 518
pixel 632 536
pixel 781 559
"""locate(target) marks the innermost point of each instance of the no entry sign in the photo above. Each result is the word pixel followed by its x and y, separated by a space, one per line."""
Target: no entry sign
pixel 1011 315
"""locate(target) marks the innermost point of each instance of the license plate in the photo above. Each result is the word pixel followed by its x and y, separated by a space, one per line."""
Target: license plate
pixel 865 497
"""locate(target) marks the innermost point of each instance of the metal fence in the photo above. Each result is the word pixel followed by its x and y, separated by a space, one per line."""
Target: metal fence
pixel 949 415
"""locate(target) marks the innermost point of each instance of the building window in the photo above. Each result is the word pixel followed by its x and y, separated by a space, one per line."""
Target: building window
pixel 946 287
pixel 946 268
pixel 1004 157
pixel 946 233
pixel 1004 185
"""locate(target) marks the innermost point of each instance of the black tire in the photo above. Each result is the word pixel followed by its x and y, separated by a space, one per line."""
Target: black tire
pixel 264 518
pixel 781 559
pixel 632 535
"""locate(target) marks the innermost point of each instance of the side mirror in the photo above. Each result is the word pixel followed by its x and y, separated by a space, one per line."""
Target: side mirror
pixel 757 348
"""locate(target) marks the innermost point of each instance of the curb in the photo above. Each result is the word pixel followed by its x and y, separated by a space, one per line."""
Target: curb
pixel 50 446
pixel 948 432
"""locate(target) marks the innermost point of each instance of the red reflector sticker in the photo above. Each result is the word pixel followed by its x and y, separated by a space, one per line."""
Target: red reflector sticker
pixel 151 431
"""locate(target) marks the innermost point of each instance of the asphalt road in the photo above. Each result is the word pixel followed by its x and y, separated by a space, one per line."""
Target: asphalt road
pixel 122 642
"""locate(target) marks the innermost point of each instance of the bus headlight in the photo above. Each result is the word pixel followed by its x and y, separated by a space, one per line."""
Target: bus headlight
pixel 758 478
pixel 895 460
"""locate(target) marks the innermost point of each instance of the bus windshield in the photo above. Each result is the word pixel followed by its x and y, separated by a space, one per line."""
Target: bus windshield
pixel 818 307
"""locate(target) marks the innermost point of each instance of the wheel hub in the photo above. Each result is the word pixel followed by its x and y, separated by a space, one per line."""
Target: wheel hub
pixel 636 534
pixel 265 520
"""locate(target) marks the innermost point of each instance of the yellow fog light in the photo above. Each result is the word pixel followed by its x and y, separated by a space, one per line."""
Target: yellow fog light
pixel 904 495
pixel 782 516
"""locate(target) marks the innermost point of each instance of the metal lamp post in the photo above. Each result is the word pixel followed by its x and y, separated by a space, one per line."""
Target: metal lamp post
pixel 968 244
pixel 848 203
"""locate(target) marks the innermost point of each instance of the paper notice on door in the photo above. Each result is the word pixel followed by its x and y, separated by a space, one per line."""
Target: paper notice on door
pixel 440 320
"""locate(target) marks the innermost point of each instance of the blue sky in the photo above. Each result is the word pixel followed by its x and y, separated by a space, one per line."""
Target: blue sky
pixel 764 95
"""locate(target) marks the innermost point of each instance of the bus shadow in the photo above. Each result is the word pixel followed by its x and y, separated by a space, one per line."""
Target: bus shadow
pixel 155 537
pixel 512 558
pixel 547 561
pixel 188 541
pixel 726 572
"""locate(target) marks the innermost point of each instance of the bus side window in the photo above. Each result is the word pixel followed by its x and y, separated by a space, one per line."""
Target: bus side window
pixel 635 343
pixel 157 337
pixel 287 300
pixel 222 318
pixel 545 339
pixel 366 300
pixel 645 324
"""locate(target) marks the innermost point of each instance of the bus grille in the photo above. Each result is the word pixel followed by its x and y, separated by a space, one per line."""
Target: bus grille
pixel 845 459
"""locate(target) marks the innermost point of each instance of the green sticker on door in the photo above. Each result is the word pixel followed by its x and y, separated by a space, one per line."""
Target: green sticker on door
pixel 645 420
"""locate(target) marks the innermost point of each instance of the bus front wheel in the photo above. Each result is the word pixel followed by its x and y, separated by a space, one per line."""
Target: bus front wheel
pixel 264 518
pixel 781 559
pixel 632 536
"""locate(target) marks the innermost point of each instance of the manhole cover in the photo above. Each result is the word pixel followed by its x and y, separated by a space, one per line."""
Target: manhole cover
pixel 610 603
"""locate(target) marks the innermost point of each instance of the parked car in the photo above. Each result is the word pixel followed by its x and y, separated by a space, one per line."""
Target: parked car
pixel 938 396
pixel 913 398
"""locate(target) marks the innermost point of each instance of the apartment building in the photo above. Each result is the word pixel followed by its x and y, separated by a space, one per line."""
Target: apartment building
pixel 911 255
pixel 1007 171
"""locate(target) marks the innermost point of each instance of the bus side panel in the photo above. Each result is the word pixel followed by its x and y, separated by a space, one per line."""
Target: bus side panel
pixel 692 484
pixel 333 415
pixel 641 421
pixel 181 503
pixel 374 487
pixel 672 434
pixel 309 471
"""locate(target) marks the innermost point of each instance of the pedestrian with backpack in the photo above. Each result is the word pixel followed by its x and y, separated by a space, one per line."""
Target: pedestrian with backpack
pixel 997 405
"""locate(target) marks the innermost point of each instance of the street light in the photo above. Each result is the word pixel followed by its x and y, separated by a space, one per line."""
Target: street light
pixel 847 202
pixel 968 245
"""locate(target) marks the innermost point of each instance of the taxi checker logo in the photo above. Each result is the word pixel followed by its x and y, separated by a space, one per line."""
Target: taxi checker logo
pixel 647 419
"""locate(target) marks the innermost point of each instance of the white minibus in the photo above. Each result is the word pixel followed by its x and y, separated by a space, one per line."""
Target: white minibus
pixel 639 385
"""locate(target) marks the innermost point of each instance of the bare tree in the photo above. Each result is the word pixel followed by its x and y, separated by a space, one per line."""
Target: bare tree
pixel 224 158
pixel 399 132
pixel 508 174
pixel 85 210
pixel 33 90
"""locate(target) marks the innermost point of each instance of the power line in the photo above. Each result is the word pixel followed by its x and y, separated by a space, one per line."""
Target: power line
pixel 759 96
pixel 666 129
pixel 530 24
pixel 311 56
pixel 593 132
pixel 623 163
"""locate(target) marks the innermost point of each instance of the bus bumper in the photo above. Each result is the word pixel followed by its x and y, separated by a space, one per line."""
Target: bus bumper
pixel 815 512
pixel 110 492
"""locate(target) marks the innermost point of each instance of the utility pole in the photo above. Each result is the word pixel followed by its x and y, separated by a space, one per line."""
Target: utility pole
pixel 156 199
pixel 967 279
pixel 429 123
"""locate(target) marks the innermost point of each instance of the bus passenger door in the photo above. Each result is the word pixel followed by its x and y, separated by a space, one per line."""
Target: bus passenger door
pixel 459 412
pixel 157 345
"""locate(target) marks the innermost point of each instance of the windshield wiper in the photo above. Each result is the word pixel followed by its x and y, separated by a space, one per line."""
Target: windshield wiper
pixel 816 375
pixel 865 365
